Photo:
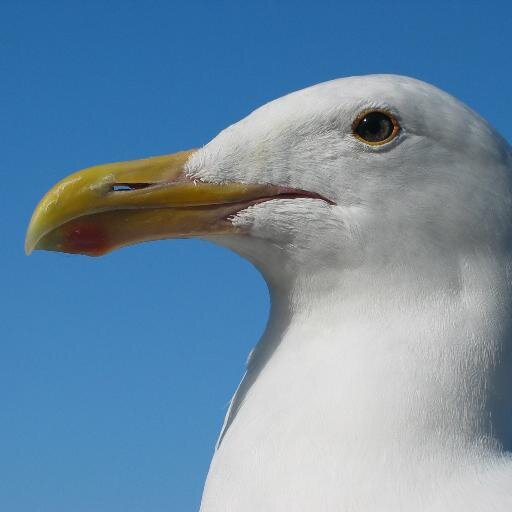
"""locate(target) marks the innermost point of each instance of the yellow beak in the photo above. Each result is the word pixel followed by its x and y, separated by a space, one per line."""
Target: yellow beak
pixel 102 208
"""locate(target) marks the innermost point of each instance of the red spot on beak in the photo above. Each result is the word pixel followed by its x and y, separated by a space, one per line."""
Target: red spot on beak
pixel 85 238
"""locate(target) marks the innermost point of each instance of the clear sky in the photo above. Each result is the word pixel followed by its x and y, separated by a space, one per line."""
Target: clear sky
pixel 115 373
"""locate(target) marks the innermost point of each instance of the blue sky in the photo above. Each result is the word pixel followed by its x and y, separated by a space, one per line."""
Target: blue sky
pixel 115 372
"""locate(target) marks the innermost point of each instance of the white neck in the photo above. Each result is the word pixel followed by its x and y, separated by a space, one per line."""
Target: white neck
pixel 365 379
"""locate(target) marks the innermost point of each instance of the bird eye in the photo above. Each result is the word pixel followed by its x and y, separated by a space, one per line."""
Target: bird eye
pixel 375 127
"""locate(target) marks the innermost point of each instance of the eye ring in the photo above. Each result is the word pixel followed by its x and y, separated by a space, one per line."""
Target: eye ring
pixel 375 127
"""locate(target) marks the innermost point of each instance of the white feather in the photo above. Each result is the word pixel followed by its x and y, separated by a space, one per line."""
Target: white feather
pixel 384 379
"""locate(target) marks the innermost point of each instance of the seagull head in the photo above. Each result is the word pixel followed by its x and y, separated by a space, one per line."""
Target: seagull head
pixel 373 169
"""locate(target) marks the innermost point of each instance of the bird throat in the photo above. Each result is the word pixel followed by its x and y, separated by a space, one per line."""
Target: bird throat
pixel 360 381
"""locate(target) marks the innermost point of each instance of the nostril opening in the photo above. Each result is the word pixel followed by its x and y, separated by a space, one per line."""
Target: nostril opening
pixel 126 187
pixel 121 188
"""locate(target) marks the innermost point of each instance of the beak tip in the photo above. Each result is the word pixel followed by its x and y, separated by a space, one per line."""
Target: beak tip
pixel 29 247
pixel 32 238
pixel 30 241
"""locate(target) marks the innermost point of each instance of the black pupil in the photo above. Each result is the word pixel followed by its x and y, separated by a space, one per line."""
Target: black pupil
pixel 375 127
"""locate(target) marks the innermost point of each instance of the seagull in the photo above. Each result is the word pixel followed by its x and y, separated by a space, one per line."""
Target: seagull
pixel 379 211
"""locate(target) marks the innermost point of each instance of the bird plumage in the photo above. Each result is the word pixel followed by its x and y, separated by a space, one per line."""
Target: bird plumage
pixel 384 379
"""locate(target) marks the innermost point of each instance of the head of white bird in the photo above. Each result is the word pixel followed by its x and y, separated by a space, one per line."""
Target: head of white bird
pixel 377 169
